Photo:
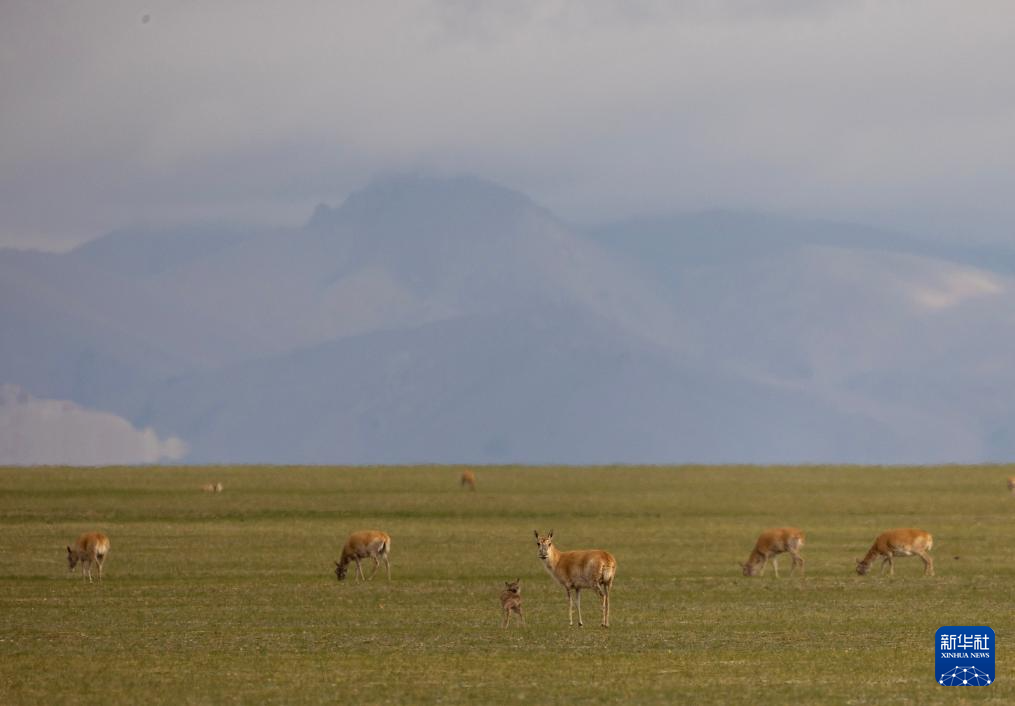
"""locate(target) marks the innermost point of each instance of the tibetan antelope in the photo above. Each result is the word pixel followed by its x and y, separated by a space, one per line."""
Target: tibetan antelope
pixel 898 542
pixel 575 570
pixel 771 543
pixel 1011 485
pixel 362 545
pixel 468 480
pixel 511 601
pixel 90 549
pixel 212 487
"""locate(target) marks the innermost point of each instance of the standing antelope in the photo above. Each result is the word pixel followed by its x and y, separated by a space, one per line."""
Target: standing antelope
pixel 575 570
pixel 511 601
pixel 1011 484
pixel 771 543
pixel 361 545
pixel 90 548
pixel 468 480
pixel 898 542
pixel 212 487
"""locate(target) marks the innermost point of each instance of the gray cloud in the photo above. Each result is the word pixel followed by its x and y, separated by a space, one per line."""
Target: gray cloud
pixel 898 113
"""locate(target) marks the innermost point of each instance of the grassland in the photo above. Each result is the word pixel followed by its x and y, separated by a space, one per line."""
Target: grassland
pixel 231 597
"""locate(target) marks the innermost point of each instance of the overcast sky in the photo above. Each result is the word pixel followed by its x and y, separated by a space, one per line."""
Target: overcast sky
pixel 898 112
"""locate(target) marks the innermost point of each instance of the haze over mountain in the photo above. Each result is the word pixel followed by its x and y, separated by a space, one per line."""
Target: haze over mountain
pixel 451 319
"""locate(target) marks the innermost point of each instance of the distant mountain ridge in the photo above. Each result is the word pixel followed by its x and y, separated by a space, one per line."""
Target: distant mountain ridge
pixel 451 319
pixel 146 251
pixel 723 235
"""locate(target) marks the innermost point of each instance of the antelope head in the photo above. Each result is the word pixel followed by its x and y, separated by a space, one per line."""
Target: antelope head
pixel 340 571
pixel 862 567
pixel 514 586
pixel 72 559
pixel 749 569
pixel 544 544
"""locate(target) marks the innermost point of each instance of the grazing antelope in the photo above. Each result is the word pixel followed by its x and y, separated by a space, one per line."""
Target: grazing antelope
pixel 468 480
pixel 771 543
pixel 361 545
pixel 898 542
pixel 511 601
pixel 90 548
pixel 575 570
pixel 212 487
pixel 1011 485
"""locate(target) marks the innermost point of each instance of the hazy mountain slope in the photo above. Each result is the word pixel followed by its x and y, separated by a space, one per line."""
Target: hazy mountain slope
pixel 840 301
pixel 536 386
pixel 453 319
pixel 411 250
pixel 66 333
pixel 72 331
pixel 918 342
pixel 142 252
pixel 715 237
pixel 103 323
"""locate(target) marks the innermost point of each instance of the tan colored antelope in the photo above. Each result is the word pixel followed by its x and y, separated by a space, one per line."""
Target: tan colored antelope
pixel 575 570
pixel 771 543
pixel 468 480
pixel 212 487
pixel 1011 485
pixel 370 544
pixel 90 549
pixel 898 542
pixel 511 601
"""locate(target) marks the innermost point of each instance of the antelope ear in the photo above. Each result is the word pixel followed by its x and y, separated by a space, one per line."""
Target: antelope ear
pixel 536 532
pixel 68 550
pixel 550 535
pixel 337 564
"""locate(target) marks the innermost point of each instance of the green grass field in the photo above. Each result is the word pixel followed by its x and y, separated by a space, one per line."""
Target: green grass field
pixel 231 597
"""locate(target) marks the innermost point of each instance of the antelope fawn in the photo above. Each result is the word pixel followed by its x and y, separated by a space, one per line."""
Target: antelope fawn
pixel 575 570
pixel 90 548
pixel 468 480
pixel 361 545
pixel 771 543
pixel 511 601
pixel 898 542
